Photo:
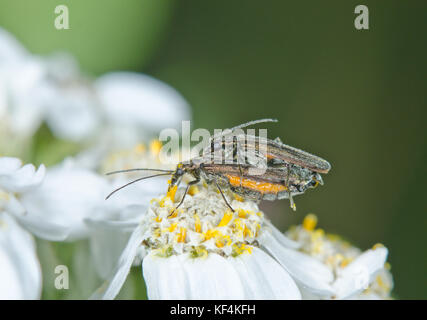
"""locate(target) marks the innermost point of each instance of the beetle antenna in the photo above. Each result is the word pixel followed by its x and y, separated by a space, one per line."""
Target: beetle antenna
pixel 244 125
pixel 137 169
pixel 251 123
pixel 127 184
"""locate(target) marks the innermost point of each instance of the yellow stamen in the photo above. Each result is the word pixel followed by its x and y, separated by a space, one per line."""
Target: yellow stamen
pixel 225 219
pixel 382 284
pixel 157 233
pixel 212 233
pixel 378 245
pixel 247 232
pixel 171 193
pixel 163 252
pixel 172 227
pixel 197 224
pixel 221 241
pixel 181 235
pixel 238 198
pixel 174 214
pixel 193 190
pixel 199 252
pixel 155 147
pixel 345 262
pixel 242 213
pixel 140 148
pixel 238 250
pixel 310 222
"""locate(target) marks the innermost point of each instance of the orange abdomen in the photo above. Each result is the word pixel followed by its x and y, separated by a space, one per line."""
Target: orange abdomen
pixel 262 187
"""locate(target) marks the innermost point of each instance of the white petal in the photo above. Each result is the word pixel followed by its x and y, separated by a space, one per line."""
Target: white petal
pixel 22 82
pixel 111 288
pixel 9 164
pixel 11 287
pixel 165 278
pixel 263 277
pixel 11 205
pixel 356 277
pixel 66 197
pixel 139 100
pixel 138 193
pixel 109 233
pixel 284 240
pixel 368 296
pixel 20 273
pixel 22 179
pixel 212 278
pixel 72 115
pixel 44 229
pixel 182 277
pixel 309 273
pixel 10 48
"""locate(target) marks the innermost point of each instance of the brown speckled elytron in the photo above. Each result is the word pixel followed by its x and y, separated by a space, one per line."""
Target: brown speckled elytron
pixel 286 171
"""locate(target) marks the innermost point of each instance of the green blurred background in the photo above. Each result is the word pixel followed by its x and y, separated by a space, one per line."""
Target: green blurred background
pixel 356 98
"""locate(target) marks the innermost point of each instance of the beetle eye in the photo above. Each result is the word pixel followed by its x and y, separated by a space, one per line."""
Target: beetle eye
pixel 314 183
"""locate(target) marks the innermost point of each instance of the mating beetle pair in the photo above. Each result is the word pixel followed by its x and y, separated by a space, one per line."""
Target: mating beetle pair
pixel 252 167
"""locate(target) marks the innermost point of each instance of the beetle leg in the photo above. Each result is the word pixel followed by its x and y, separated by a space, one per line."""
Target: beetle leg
pixel 291 200
pixel 223 196
pixel 185 193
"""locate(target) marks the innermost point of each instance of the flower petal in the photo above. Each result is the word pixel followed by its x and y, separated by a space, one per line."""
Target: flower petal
pixel 71 114
pixel 309 273
pixel 356 277
pixel 140 100
pixel 9 164
pixel 182 277
pixel 20 272
pixel 284 240
pixel 109 233
pixel 165 278
pixel 17 178
pixel 111 288
pixel 22 179
pixel 263 277
pixel 10 48
pixel 44 229
pixel 67 196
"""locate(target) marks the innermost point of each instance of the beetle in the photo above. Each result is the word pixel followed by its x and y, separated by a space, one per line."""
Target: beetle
pixel 261 168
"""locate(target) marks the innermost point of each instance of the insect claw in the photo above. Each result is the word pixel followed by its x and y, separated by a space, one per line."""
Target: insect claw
pixel 292 203
pixel 172 212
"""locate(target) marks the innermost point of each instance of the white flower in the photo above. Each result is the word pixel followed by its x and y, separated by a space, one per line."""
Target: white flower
pixel 205 251
pixel 72 111
pixel 35 89
pixel 71 196
pixel 70 204
pixel 140 101
pixel 20 114
pixel 57 209
pixel 20 273
pixel 357 275
pixel 112 223
pixel 117 110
